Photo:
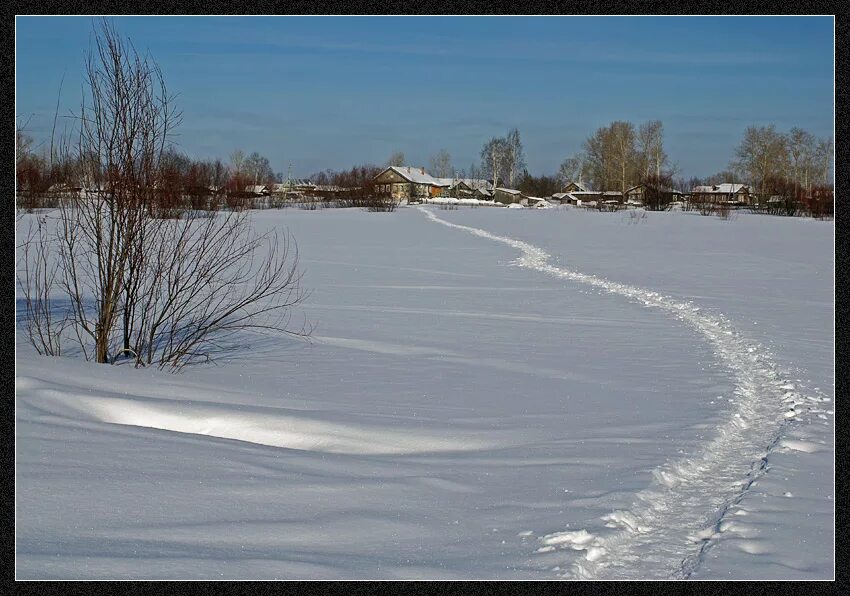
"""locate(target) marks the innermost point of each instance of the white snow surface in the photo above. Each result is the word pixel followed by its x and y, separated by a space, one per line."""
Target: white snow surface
pixel 490 393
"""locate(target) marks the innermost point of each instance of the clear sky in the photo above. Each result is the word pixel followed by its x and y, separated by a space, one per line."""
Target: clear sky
pixel 331 92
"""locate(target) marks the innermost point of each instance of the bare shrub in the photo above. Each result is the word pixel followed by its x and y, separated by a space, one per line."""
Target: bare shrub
pixel 636 216
pixel 376 203
pixel 204 281
pixel 37 279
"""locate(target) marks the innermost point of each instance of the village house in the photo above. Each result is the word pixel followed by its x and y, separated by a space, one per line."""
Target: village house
pixel 635 194
pixel 296 185
pixel 257 190
pixel 536 202
pixel 575 187
pixel 509 195
pixel 590 198
pixel 407 182
pixel 471 188
pixel 737 194
pixel 65 189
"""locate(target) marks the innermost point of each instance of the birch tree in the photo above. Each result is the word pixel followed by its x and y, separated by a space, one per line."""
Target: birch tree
pixel 572 169
pixel 441 164
pixel 761 155
pixel 650 145
pixel 823 159
pixel 493 159
pixel 396 159
pixel 514 156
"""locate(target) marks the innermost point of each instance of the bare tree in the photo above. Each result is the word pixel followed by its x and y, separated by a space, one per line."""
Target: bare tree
pixel 762 154
pixel 802 146
pixel 623 151
pixel 206 281
pixel 650 142
pixel 613 158
pixel 258 169
pixel 493 159
pixel 37 278
pixel 441 164
pixel 23 141
pixel 396 159
pixel 573 169
pixel 163 291
pixel 237 161
pixel 124 123
pixel 514 156
pixel 823 160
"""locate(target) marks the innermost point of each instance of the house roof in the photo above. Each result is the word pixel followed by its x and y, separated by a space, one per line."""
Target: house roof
pixel 579 185
pixel 256 188
pixel 295 182
pixel 596 193
pixel 510 191
pixel 416 176
pixel 473 183
pixel 725 188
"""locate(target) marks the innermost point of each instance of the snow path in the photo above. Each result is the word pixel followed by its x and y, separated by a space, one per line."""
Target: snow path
pixel 672 523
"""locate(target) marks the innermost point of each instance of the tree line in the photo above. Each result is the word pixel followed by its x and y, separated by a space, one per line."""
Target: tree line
pixel 792 166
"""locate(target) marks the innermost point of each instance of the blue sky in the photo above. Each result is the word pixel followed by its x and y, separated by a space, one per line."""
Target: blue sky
pixel 331 92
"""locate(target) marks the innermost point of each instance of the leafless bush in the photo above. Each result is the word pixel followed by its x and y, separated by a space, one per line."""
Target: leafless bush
pixel 378 204
pixel 37 278
pixel 636 216
pixel 724 212
pixel 205 281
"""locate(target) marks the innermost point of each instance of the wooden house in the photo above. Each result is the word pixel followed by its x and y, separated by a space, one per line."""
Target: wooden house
pixel 728 193
pixel 508 196
pixel 575 187
pixel 406 182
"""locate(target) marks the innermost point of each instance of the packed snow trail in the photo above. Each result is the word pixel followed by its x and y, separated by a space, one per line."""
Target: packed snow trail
pixel 671 524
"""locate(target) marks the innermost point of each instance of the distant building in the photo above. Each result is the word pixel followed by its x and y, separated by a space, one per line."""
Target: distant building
pixel 508 196
pixel 257 190
pixel 739 194
pixel 407 182
pixel 635 194
pixel 575 186
pixel 296 185
pixel 471 188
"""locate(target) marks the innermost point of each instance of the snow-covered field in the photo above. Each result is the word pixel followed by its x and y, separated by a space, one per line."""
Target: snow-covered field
pixel 490 393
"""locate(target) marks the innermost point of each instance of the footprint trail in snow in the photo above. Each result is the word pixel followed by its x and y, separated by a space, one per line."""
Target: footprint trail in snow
pixel 671 524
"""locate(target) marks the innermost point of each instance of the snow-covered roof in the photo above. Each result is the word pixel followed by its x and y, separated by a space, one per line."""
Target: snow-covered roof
pixel 510 191
pixel 256 188
pixel 418 176
pixel 474 183
pixel 581 186
pixel 295 182
pixel 725 188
